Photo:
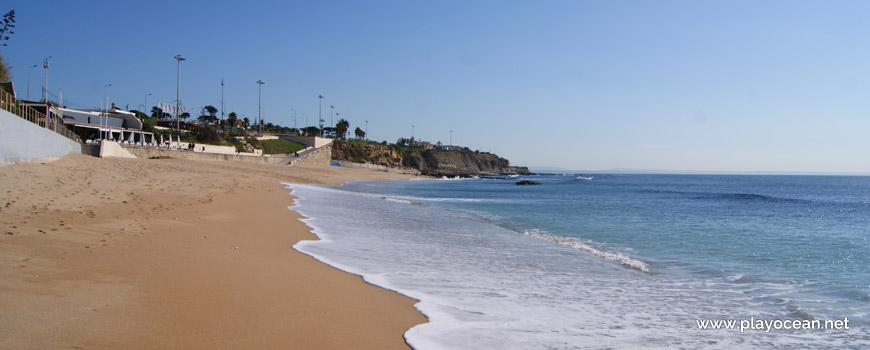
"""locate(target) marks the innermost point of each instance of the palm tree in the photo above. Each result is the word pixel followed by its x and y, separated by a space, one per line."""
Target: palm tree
pixel 231 119
pixel 360 134
pixel 341 128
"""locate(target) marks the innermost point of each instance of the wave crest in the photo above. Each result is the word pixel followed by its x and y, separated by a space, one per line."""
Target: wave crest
pixel 615 257
pixel 403 201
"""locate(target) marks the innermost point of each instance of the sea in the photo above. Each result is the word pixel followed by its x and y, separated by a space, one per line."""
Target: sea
pixel 609 261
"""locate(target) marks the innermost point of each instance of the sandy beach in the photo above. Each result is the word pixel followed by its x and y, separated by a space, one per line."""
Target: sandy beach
pixel 169 253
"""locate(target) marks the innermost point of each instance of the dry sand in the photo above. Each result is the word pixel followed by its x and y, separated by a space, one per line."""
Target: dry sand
pixel 138 254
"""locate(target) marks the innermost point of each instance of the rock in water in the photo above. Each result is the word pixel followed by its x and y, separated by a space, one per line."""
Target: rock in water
pixel 527 182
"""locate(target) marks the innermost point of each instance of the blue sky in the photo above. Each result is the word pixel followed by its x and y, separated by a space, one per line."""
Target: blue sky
pixel 588 85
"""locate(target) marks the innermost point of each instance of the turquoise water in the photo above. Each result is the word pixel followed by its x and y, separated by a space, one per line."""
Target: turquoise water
pixel 610 260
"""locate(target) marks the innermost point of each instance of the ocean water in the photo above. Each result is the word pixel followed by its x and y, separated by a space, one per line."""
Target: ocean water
pixel 607 261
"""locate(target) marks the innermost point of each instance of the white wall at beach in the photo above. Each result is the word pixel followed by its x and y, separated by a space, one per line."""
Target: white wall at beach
pixel 22 141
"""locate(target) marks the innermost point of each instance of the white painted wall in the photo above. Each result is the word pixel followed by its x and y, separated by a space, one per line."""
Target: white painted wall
pixel 113 149
pixel 22 141
pixel 211 148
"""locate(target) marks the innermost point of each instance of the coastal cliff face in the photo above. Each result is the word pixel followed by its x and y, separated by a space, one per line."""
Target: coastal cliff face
pixel 372 153
pixel 427 161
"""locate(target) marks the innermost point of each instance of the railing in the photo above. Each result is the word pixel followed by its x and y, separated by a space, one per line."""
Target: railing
pixel 14 106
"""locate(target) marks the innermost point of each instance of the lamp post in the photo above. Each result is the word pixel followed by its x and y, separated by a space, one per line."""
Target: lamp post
pixel 294 121
pixel 331 121
pixel 451 137
pixel 263 119
pixel 145 106
pixel 367 130
pixel 337 115
pixel 319 114
pixel 412 131
pixel 222 101
pixel 106 110
pixel 28 80
pixel 45 87
pixel 178 91
pixel 259 94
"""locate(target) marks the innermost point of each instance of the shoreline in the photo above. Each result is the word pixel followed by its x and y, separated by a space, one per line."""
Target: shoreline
pixel 109 253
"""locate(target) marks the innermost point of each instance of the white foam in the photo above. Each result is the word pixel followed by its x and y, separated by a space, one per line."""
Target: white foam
pixel 400 200
pixel 615 257
pixel 485 287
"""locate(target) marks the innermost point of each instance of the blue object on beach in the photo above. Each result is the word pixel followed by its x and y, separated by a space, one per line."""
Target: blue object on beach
pixel 334 163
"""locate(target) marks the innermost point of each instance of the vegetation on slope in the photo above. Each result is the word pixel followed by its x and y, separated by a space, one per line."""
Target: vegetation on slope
pixel 280 146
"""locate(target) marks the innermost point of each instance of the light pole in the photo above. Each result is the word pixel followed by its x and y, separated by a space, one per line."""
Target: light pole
pixel 222 101
pixel 178 91
pixel 263 119
pixel 367 130
pixel 331 121
pixel 319 114
pixel 106 113
pixel 412 132
pixel 451 137
pixel 145 106
pixel 294 121
pixel 259 94
pixel 337 115
pixel 28 80
pixel 45 87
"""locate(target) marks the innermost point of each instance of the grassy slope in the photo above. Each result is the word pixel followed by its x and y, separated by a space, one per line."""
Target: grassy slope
pixel 280 146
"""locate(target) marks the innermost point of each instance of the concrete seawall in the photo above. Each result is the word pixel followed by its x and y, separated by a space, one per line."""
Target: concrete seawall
pixel 152 153
pixel 319 157
pixel 22 141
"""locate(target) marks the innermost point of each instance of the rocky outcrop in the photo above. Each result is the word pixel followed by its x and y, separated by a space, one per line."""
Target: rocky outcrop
pixel 371 153
pixel 456 163
pixel 427 161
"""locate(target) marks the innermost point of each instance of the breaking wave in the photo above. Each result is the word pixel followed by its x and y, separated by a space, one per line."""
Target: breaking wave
pixel 403 201
pixel 573 243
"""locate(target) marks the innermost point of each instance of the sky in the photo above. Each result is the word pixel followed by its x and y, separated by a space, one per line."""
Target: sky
pixel 734 86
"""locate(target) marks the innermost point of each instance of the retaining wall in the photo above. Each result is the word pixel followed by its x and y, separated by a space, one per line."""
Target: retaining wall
pixel 152 152
pixel 22 141
pixel 319 157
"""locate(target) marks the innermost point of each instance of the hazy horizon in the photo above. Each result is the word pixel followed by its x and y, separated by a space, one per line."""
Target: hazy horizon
pixel 738 86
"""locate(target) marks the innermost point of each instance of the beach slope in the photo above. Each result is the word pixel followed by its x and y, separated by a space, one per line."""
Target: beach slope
pixel 169 253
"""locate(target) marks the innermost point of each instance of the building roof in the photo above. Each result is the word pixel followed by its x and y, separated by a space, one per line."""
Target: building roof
pixel 130 120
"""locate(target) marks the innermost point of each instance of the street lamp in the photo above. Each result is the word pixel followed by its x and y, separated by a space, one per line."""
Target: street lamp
pixel 259 94
pixel 146 104
pixel 28 80
pixel 45 87
pixel 367 130
pixel 451 137
pixel 294 121
pixel 263 119
pixel 412 131
pixel 331 121
pixel 106 110
pixel 337 115
pixel 178 91
pixel 222 101
pixel 319 115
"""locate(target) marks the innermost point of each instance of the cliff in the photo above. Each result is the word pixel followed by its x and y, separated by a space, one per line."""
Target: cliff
pixel 427 161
